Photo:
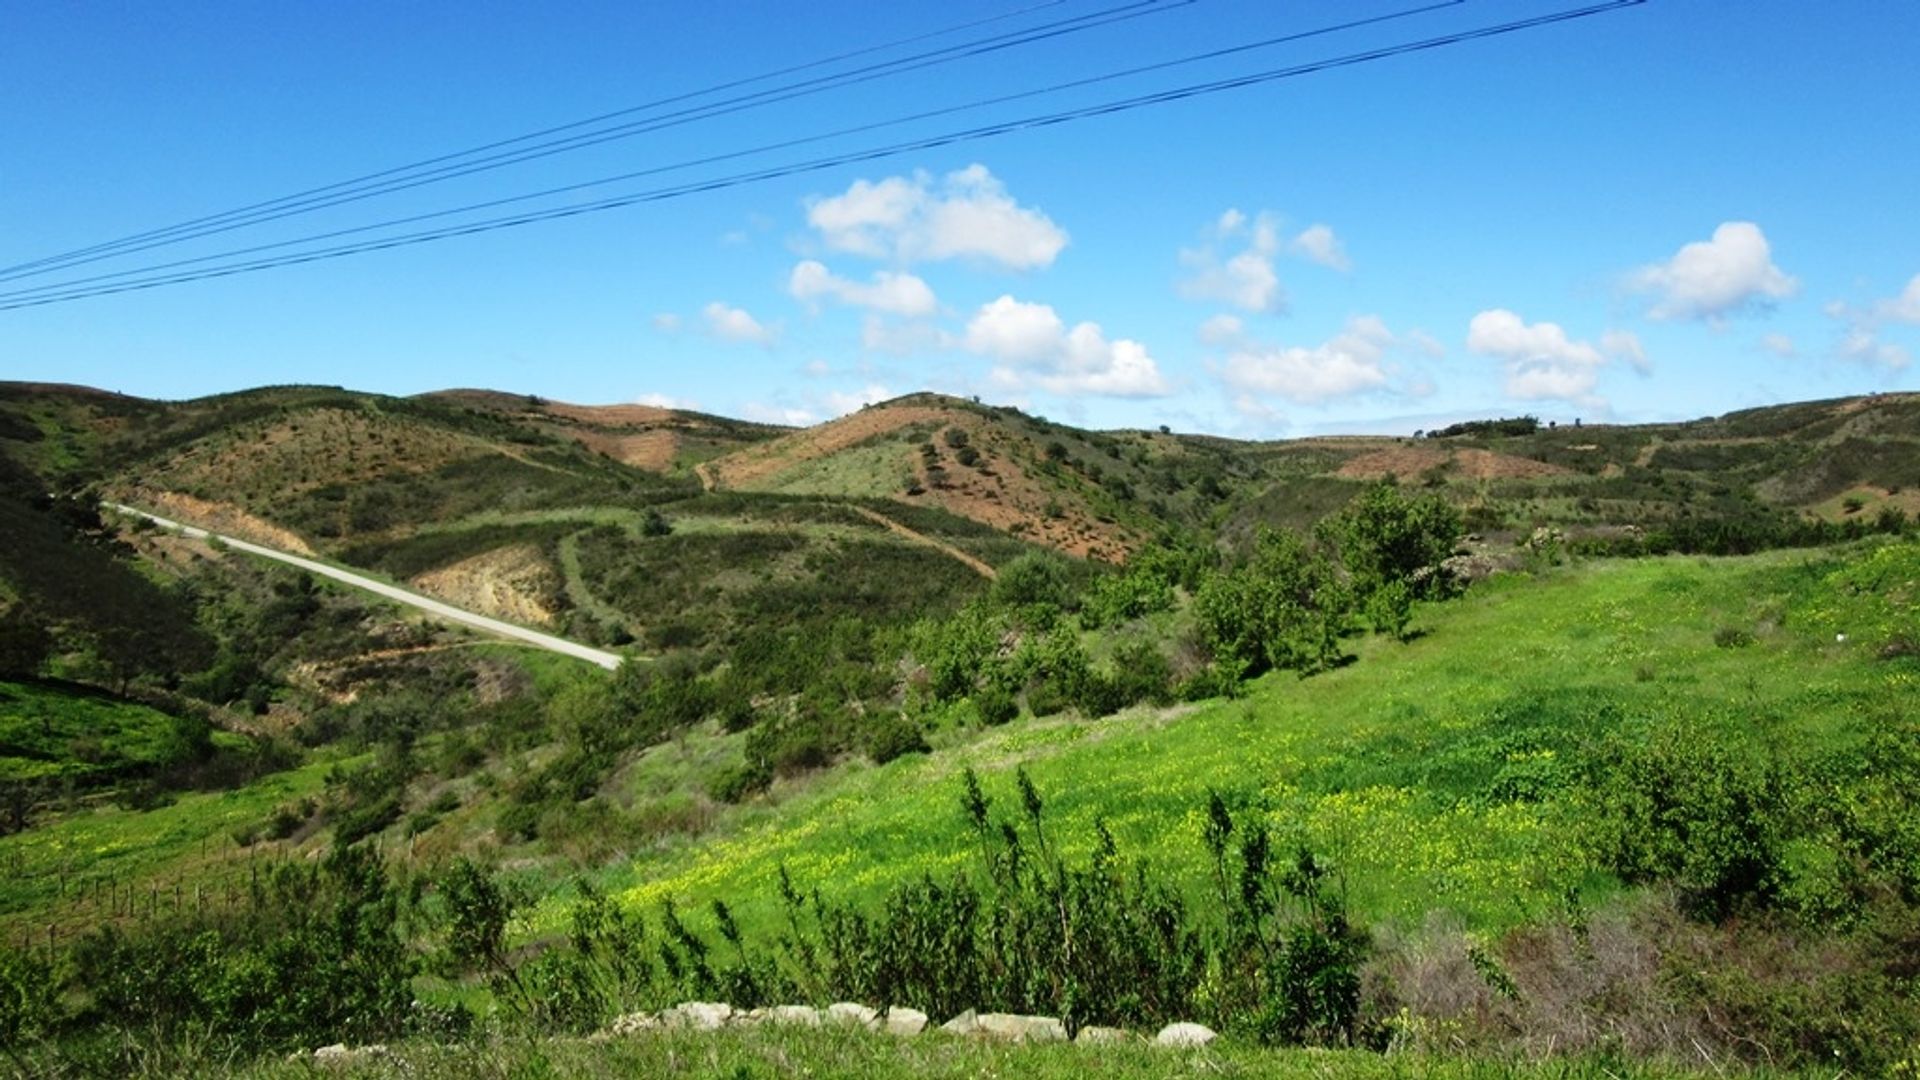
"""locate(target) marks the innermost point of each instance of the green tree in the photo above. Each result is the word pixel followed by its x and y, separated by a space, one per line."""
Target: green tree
pixel 1385 535
pixel 25 644
pixel 1285 609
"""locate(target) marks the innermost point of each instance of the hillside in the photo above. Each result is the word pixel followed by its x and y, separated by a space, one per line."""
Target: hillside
pixel 1507 699
pixel 644 436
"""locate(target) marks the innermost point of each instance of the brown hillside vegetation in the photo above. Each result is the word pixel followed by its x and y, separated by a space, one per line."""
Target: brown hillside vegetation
pixel 880 452
pixel 219 517
pixel 311 449
pixel 1468 463
pixel 643 436
pixel 749 469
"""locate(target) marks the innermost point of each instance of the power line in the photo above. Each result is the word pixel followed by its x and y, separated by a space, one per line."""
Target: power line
pixel 451 166
pixel 1109 108
pixel 556 129
pixel 788 144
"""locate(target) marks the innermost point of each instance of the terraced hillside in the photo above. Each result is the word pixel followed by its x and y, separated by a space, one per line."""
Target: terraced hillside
pixel 644 436
pixel 1090 494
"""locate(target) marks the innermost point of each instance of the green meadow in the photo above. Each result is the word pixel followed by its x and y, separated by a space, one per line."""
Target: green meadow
pixel 1436 774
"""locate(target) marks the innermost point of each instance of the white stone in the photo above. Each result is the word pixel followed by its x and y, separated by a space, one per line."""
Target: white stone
pixel 698 1015
pixel 965 1024
pixel 1185 1034
pixel 1015 1028
pixel 804 1015
pixel 851 1013
pixel 342 1054
pixel 634 1023
pixel 1097 1034
pixel 904 1021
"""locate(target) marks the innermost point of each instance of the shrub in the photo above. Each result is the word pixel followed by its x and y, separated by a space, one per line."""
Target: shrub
pixel 737 783
pixel 889 735
pixel 1284 610
pixel 315 956
pixel 996 705
pixel 1141 672
pixel 1032 580
pixel 1732 637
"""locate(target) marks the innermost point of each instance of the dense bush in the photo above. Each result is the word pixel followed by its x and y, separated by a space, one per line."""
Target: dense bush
pixel 890 735
pixel 1275 959
pixel 1385 536
pixel 315 954
pixel 1285 609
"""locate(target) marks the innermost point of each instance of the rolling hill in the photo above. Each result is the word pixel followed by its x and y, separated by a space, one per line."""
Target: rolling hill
pixel 844 623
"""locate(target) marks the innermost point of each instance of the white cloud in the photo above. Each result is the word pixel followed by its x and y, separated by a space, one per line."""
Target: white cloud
pixel 901 338
pixel 1860 342
pixel 1245 279
pixel 1863 346
pixel 965 215
pixel 736 325
pixel 1350 362
pixel 1222 330
pixel 1542 362
pixel 1625 345
pixel 1904 308
pixel 667 322
pixel 1711 279
pixel 842 402
pixel 791 416
pixel 897 293
pixel 1425 344
pixel 1035 348
pixel 1317 243
pixel 664 401
pixel 1780 345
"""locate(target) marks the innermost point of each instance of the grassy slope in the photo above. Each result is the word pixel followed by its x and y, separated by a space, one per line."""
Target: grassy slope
pixel 54 872
pixel 785 1052
pixel 1394 766
pixel 52 731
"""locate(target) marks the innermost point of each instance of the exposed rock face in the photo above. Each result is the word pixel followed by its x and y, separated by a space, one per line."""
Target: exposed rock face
pixel 1184 1034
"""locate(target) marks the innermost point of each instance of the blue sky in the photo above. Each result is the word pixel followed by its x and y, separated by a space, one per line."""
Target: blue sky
pixel 1671 210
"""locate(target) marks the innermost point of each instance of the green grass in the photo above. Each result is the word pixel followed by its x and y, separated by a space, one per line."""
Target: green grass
pixel 1431 773
pixel 765 1052
pixel 45 870
pixel 49 731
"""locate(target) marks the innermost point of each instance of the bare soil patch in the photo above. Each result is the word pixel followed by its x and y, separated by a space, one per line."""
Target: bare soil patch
pixel 514 583
pixel 1472 463
pixel 219 517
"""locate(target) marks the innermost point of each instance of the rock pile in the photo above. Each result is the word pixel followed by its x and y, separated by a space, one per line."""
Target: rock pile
pixel 898 1020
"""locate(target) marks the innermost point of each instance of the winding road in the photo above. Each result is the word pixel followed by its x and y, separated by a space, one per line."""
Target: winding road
pixel 380 588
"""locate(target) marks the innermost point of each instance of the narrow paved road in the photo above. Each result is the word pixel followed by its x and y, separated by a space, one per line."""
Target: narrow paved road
pixel 431 606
